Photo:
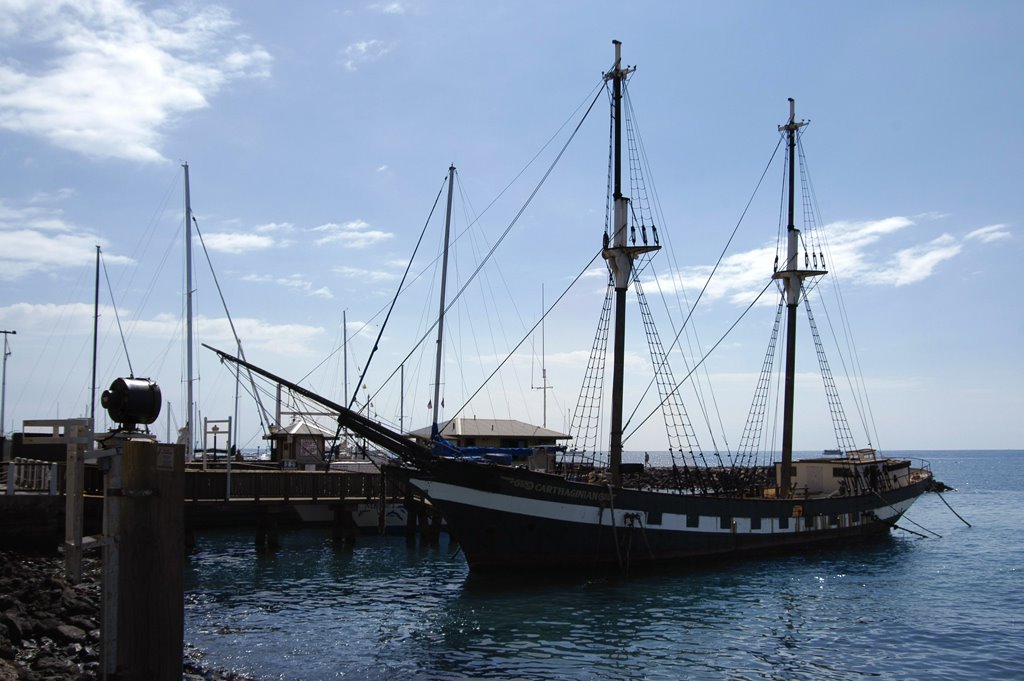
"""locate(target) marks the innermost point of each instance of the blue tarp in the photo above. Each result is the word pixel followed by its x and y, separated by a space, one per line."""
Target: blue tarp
pixel 504 455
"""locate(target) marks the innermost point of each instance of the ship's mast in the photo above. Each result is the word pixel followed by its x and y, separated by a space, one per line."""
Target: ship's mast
pixel 619 256
pixel 792 277
pixel 434 431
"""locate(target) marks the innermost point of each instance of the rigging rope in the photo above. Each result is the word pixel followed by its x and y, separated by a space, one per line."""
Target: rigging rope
pixel 697 365
pixel 113 303
pixel 491 252
pixel 523 339
pixel 585 427
pixel 380 333
pixel 707 283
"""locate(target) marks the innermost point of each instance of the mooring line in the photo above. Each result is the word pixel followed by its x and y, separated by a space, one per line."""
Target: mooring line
pixel 923 536
pixel 903 515
pixel 939 495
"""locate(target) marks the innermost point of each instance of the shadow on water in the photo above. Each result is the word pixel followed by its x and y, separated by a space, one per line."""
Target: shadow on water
pixel 383 609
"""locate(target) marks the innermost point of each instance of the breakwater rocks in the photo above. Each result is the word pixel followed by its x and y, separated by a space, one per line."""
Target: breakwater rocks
pixel 49 629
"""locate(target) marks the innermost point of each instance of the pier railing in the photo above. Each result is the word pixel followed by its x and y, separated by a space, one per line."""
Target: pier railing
pixel 29 476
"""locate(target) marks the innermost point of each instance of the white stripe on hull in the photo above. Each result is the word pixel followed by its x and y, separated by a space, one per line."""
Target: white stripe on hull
pixel 674 522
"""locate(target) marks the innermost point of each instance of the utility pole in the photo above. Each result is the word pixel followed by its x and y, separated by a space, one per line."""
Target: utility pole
pixel 3 389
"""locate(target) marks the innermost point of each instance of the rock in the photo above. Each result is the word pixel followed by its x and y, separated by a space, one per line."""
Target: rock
pixel 14 626
pixel 8 671
pixel 49 663
pixel 47 625
pixel 49 629
pixel 70 632
pixel 83 623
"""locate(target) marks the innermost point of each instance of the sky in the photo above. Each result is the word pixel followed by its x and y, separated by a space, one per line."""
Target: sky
pixel 319 134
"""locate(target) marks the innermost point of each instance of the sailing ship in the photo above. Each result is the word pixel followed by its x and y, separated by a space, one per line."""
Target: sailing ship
pixel 585 513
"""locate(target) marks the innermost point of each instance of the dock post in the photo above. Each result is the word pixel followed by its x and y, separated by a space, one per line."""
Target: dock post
pixel 273 530
pixel 343 530
pixel 261 529
pixel 382 517
pixel 410 517
pixel 267 537
pixel 78 434
pixel 424 523
pixel 150 601
pixel 435 528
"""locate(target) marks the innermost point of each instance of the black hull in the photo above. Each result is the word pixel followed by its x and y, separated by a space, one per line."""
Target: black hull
pixel 509 519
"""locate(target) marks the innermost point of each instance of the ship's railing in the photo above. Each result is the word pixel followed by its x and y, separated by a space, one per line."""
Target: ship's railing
pixel 919 468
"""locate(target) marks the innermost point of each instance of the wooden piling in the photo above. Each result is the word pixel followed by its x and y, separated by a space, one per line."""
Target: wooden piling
pixel 410 517
pixel 343 529
pixel 150 603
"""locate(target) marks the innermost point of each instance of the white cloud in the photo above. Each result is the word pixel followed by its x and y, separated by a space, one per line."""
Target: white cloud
pixel 26 251
pixel 271 227
pixel 322 292
pixel 51 197
pixel 235 243
pixel 367 275
pixel 111 77
pixel 363 52
pixel 991 233
pixel 353 234
pixel 257 334
pixel 389 7
pixel 72 318
pixel 295 282
pixel 852 252
pixel 35 217
pixel 37 239
pixel 915 264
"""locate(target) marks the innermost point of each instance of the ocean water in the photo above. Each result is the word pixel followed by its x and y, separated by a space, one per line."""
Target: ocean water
pixel 946 605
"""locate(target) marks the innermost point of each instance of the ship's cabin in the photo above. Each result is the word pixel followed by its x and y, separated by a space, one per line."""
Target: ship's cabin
pixel 836 474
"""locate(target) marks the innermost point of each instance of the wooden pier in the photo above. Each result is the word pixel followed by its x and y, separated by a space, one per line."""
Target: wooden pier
pixel 246 496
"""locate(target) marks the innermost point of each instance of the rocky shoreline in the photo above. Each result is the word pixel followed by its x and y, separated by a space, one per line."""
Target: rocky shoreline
pixel 49 629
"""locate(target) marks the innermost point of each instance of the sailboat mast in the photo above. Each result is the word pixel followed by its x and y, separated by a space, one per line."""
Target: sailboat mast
pixel 95 338
pixel 344 354
pixel 189 424
pixel 434 432
pixel 543 358
pixel 792 279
